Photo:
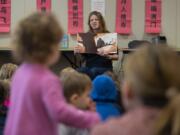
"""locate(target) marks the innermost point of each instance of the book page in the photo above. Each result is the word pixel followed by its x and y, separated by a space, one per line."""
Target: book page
pixel 87 40
pixel 106 43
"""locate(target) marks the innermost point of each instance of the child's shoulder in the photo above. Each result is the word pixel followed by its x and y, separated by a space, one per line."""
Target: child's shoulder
pixel 35 74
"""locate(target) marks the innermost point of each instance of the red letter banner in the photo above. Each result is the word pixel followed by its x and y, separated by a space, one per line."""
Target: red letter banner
pixel 44 5
pixel 153 16
pixel 75 16
pixel 123 16
pixel 5 15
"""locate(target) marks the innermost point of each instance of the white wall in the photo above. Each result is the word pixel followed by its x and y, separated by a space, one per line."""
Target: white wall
pixel 170 19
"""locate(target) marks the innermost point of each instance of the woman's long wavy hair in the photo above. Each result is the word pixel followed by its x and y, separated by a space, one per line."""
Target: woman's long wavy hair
pixel 103 28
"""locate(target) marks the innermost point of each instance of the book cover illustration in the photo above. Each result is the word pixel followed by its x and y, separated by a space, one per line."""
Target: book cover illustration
pixel 87 40
pixel 103 42
pixel 106 43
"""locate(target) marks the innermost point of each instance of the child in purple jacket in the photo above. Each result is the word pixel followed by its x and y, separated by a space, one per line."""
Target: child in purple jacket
pixel 37 102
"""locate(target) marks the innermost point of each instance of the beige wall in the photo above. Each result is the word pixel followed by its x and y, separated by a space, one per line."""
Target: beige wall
pixel 178 23
pixel 170 19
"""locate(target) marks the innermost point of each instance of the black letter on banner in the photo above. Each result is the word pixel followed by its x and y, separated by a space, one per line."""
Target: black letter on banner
pixel 3 1
pixel 153 1
pixel 3 10
pixel 75 23
pixel 123 9
pixel 3 19
pixel 153 8
pixel 43 1
pixel 123 1
pixel 75 7
pixel 153 22
pixel 75 1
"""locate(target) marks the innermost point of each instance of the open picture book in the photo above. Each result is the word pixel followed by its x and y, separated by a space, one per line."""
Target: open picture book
pixel 102 42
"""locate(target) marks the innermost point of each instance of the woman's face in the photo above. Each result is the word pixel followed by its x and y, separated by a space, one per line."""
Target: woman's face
pixel 94 22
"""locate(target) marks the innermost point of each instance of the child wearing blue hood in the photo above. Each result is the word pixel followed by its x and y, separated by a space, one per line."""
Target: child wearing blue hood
pixel 105 94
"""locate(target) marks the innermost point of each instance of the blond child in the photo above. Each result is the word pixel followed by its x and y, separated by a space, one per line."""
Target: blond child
pixel 77 87
pixel 67 70
pixel 38 104
pixel 6 73
pixel 149 75
pixel 7 70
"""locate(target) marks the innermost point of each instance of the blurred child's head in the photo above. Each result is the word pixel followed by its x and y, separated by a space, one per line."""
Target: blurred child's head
pixel 7 70
pixel 37 38
pixel 77 87
pixel 149 73
pixel 67 70
pixel 4 90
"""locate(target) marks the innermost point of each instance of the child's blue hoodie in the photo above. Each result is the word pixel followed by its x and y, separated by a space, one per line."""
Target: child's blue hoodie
pixel 104 93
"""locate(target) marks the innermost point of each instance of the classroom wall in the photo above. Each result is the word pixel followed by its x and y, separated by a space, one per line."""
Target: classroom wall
pixel 178 23
pixel 170 19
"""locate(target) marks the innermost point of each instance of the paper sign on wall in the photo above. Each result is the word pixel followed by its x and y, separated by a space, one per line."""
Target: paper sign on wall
pixel 5 16
pixel 123 16
pixel 98 5
pixel 75 16
pixel 153 16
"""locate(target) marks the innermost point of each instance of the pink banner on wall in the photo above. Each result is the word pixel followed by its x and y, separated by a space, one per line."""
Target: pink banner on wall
pixel 153 16
pixel 44 5
pixel 75 16
pixel 5 16
pixel 123 16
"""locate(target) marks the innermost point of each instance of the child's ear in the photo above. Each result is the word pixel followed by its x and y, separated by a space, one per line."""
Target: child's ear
pixel 73 98
pixel 127 90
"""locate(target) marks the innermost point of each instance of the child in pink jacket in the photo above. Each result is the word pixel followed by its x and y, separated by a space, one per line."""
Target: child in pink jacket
pixel 37 102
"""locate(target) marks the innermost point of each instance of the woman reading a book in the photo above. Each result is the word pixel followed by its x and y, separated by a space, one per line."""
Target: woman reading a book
pixel 96 62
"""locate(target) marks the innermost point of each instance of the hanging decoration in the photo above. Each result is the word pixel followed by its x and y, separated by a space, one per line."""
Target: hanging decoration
pixel 5 16
pixel 75 16
pixel 153 16
pixel 123 16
